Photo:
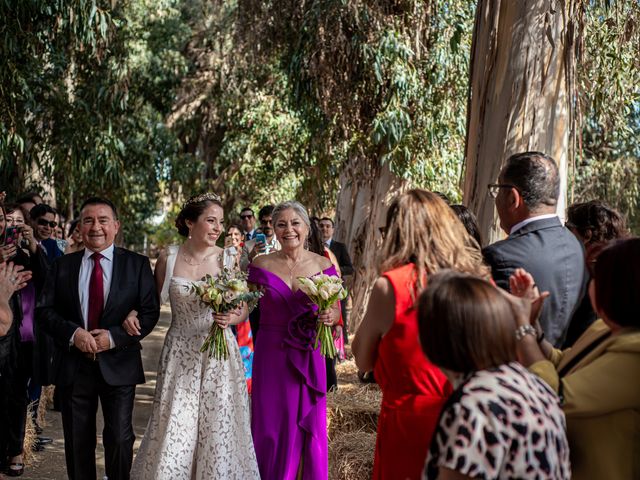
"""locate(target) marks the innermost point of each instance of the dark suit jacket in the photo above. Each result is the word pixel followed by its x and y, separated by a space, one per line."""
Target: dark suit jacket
pixel 44 353
pixel 50 247
pixel 342 255
pixel 555 259
pixel 132 288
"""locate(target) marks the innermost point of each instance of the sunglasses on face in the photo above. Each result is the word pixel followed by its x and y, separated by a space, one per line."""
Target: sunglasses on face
pixel 43 223
pixel 244 217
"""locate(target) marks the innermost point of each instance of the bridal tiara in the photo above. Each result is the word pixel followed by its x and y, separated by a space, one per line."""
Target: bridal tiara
pixel 202 198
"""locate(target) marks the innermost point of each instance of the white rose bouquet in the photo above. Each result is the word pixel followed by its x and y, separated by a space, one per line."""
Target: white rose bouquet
pixel 224 293
pixel 324 290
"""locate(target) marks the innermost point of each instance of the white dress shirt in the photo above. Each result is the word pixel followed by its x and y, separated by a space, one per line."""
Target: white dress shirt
pixel 84 279
pixel 526 221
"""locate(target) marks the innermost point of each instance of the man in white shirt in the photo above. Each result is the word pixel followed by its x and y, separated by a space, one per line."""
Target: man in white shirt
pixel 248 223
pixel 526 200
pixel 254 247
pixel 86 297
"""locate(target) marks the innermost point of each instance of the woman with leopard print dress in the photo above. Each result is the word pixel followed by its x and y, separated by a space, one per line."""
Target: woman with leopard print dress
pixel 501 421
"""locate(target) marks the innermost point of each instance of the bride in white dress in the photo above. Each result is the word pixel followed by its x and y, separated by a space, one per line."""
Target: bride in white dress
pixel 200 423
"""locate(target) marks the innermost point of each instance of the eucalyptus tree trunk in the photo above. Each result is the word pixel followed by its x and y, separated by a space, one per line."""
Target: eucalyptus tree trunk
pixel 366 189
pixel 521 95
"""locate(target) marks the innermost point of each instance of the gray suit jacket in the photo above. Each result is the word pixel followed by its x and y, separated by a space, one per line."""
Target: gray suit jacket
pixel 555 258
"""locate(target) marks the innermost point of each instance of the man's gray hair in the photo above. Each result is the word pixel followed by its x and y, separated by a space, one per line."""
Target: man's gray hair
pixel 291 205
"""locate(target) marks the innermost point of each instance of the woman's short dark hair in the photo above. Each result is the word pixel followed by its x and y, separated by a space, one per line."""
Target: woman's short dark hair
pixel 617 277
pixel 314 241
pixel 596 222
pixel 469 221
pixel 465 323
pixel 72 226
pixel 13 207
pixel 192 209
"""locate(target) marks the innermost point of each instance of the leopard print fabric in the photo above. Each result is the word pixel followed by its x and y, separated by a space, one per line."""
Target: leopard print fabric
pixel 501 423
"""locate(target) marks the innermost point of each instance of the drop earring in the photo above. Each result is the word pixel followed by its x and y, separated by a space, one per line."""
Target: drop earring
pixel 189 234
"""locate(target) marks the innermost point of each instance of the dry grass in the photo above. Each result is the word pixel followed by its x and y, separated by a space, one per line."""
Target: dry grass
pixel 353 408
pixel 30 438
pixel 347 372
pixel 351 455
pixel 46 401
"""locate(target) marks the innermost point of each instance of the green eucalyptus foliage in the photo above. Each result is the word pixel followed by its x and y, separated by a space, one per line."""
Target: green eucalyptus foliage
pixel 266 100
pixel 607 166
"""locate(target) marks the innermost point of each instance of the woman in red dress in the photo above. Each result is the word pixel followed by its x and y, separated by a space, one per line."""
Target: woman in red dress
pixel 422 236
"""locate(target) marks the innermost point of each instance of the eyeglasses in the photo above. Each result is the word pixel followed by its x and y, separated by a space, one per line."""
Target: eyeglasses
pixel 266 221
pixel 494 188
pixel 43 223
pixel 244 217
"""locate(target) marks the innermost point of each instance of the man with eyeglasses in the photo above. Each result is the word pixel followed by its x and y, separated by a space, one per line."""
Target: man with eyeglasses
pixel 257 246
pixel 43 221
pixel 248 223
pixel 526 197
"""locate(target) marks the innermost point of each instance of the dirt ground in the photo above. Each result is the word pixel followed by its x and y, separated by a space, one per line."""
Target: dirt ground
pixel 50 464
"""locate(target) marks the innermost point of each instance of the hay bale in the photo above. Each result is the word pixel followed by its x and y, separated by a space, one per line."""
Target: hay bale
pixel 46 401
pixel 30 438
pixel 353 408
pixel 347 372
pixel 351 455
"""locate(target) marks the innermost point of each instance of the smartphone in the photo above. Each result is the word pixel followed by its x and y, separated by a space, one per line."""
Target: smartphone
pixel 260 237
pixel 11 235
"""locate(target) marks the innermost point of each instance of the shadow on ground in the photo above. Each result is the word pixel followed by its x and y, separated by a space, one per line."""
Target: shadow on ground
pixel 50 464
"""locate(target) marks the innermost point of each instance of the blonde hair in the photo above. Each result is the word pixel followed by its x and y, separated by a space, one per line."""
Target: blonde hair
pixel 422 229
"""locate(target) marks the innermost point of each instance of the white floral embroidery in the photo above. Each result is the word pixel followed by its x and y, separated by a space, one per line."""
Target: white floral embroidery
pixel 200 424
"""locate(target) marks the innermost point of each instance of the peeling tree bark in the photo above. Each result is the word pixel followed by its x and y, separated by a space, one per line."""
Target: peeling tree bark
pixel 366 189
pixel 521 95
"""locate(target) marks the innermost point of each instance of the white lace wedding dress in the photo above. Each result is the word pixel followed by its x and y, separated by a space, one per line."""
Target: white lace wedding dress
pixel 200 423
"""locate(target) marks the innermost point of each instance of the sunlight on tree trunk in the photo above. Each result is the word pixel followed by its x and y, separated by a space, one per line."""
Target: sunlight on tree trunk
pixel 366 189
pixel 522 85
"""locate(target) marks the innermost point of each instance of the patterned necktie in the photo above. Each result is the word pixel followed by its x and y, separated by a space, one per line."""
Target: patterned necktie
pixel 96 294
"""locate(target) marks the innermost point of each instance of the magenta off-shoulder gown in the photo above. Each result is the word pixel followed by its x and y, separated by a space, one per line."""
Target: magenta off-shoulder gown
pixel 289 410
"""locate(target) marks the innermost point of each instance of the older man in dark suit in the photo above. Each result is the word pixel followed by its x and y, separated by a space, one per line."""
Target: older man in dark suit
pixel 86 297
pixel 526 200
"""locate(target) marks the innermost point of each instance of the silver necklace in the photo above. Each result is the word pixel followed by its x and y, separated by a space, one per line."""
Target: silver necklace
pixel 189 261
pixel 291 269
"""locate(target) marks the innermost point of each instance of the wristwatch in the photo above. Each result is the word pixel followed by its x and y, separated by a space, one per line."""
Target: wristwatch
pixel 524 330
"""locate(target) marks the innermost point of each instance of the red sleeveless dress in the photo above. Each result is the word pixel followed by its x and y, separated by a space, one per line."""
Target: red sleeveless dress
pixel 413 389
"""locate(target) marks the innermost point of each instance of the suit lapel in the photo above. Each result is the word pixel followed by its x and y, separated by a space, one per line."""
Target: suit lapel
pixel 116 276
pixel 74 279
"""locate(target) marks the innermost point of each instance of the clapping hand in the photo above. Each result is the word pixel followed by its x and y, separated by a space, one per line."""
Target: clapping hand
pixel 7 252
pixel 525 297
pixel 12 278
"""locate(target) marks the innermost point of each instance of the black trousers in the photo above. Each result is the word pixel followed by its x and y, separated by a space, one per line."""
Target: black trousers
pixel 332 378
pixel 79 402
pixel 15 401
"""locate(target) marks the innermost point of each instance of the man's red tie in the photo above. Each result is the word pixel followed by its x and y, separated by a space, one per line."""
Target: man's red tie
pixel 96 294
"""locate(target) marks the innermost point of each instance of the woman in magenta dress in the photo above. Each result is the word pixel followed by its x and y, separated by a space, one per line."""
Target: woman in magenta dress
pixel 289 377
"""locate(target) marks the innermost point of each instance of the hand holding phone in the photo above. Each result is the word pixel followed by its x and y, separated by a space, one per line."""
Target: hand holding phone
pixel 261 242
pixel 11 235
